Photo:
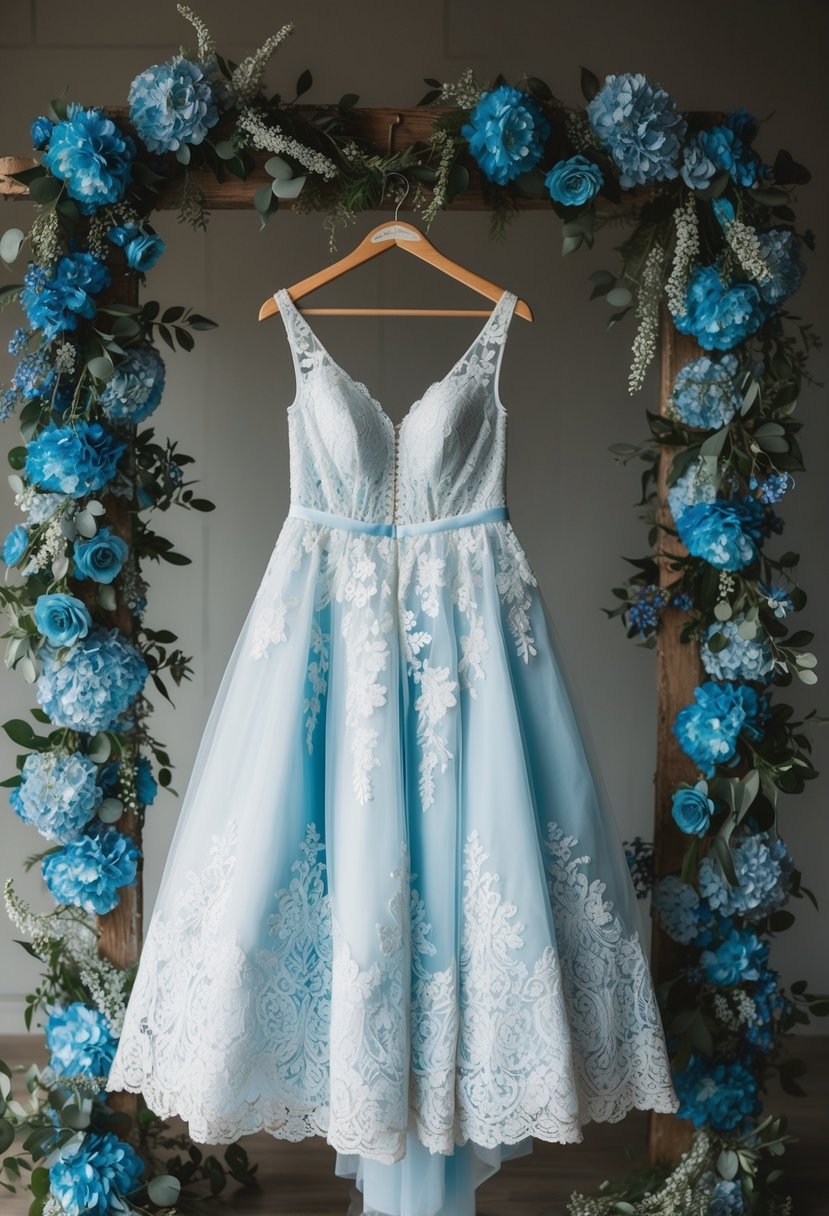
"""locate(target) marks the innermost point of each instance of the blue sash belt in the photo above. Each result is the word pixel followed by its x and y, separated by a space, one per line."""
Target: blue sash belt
pixel 487 515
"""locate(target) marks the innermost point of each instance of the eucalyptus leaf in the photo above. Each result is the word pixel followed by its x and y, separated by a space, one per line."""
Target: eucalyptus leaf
pixel 727 1164
pixel 723 610
pixel 99 748
pixel 85 523
pixel 225 149
pixel 10 243
pixel 805 676
pixel 106 597
pixel 164 1190
pixel 6 1134
pixel 183 154
pixel 45 190
pixel 262 198
pixel 806 660
pixel 619 297
pixel 100 367
pixel 570 244
pixel 288 189
pixel 278 168
pixel 110 810
pixel 28 670
pixel 74 1117
pixel 95 508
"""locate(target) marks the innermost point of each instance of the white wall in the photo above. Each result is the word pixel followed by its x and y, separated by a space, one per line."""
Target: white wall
pixel 563 377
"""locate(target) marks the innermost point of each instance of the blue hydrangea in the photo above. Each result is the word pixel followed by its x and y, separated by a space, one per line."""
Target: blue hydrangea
pixel 97 682
pixel 640 126
pixel 15 544
pixel 708 729
pixel 691 487
pixel 172 104
pixel 41 132
pixel 729 153
pixel 692 809
pixel 95 1174
pixel 721 1095
pixel 506 133
pixel 101 557
pixel 62 619
pixel 80 1041
pixel 76 459
pixel 644 611
pixel 719 315
pixel 141 249
pixel 135 389
pixel 53 300
pixel 89 872
pixel 19 340
pixel 770 1005
pixel 705 393
pixel 726 533
pixel 683 601
pixel 678 908
pixel 764 868
pixel 89 153
pixel 33 376
pixel 146 786
pixel 726 1199
pixel 743 124
pixel 57 795
pixel 780 250
pixel 777 598
pixel 739 957
pixel 772 488
pixel 574 182
pixel 698 167
pixel 741 658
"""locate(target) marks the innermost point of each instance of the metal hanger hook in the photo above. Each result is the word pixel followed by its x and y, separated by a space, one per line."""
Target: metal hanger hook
pixel 407 183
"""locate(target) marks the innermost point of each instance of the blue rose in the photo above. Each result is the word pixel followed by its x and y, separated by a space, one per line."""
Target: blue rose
pixel 101 557
pixel 506 133
pixel 640 126
pixel 62 619
pixel 144 250
pixel 14 546
pixel 90 154
pixel 172 104
pixel 41 132
pixel 692 809
pixel 574 182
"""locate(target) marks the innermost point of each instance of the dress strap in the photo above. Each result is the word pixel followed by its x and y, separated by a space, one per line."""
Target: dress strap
pixel 306 350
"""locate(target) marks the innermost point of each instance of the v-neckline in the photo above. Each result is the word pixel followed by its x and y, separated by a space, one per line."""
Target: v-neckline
pixel 358 384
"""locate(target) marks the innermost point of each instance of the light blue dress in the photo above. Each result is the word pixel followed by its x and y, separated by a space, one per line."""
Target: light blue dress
pixel 396 911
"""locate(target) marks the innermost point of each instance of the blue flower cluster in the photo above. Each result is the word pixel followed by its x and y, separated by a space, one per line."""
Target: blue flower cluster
pixel 95 1175
pixel 644 611
pixel 146 786
pixel 15 544
pixel 135 389
pixel 721 1095
pixel 679 908
pixel 33 376
pixel 780 250
pixel 770 1005
pixel 726 1198
pixel 142 249
pixel 741 658
pixel 718 314
pixel 506 133
pixel 640 126
pixel 777 598
pixel 53 300
pixel 90 154
pixel 79 1041
pixel 62 619
pixel 172 104
pixel 75 460
pixel 692 809
pixel 738 957
pixel 726 533
pixel 97 682
pixel 574 182
pixel 719 150
pixel 705 392
pixel 764 868
pixel 772 488
pixel 101 557
pixel 708 730
pixel 691 487
pixel 57 794
pixel 88 872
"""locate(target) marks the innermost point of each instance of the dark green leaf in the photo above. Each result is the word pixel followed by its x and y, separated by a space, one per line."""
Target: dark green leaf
pixel 304 83
pixel 589 84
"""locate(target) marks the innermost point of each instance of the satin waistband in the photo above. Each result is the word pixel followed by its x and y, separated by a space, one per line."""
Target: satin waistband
pixel 487 515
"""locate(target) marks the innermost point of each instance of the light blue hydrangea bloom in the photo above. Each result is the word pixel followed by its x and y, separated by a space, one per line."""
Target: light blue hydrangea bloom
pixel 691 487
pixel 89 872
pixel 641 127
pixel 726 533
pixel 53 300
pixel 721 1095
pixel 101 557
pixel 90 1179
pixel 574 182
pixel 134 391
pixel 742 658
pixel 780 250
pixel 705 393
pixel 76 459
pixel 43 506
pixel 79 1040
pixel 708 729
pixel 62 619
pixel 57 794
pixel 34 375
pixel 727 150
pixel 678 906
pixel 739 957
pixel 97 682
pixel 698 166
pixel 506 133
pixel 726 1199
pixel 719 315
pixel 90 154
pixel 14 546
pixel 172 104
pixel 764 868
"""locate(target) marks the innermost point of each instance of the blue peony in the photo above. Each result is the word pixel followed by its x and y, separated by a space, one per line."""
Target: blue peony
pixel 725 533
pixel 41 132
pixel 705 393
pixel 721 1095
pixel 698 168
pixel 708 730
pixel 80 1041
pixel 741 658
pixel 15 544
pixel 764 868
pixel 678 908
pixel 101 557
pixel 692 809
pixel 57 795
pixel 574 182
pixel 640 126
pixel 691 487
pixel 780 250
pixel 89 153
pixel 62 619
pixel 53 300
pixel 719 315
pixel 172 104
pixel 97 682
pixel 506 133
pixel 76 459
pixel 740 957
pixel 135 389
pixel 90 1179
pixel 88 872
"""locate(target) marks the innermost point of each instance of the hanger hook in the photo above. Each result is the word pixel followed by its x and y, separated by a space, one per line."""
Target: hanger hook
pixel 406 182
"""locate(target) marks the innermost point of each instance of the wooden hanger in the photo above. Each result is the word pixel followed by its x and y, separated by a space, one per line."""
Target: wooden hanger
pixel 401 235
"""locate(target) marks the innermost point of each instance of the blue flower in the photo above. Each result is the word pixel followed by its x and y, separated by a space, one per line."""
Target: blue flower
pixel 780 250
pixel 772 488
pixel 764 868
pixel 719 315
pixel 76 459
pixel 142 249
pixel 708 730
pixel 770 1005
pixel 134 390
pixel 101 557
pixel 146 786
pixel 57 795
pixel 741 658
pixel 62 619
pixel 640 126
pixel 97 682
pixel 41 132
pixel 89 872
pixel 34 375
pixel 172 104
pixel 743 124
pixel 644 612
pixel 739 957
pixel 89 153
pixel 80 1041
pixel 15 544
pixel 729 153
pixel 678 907
pixel 574 182
pixel 89 1179
pixel 54 300
pixel 705 393
pixel 698 168
pixel 725 533
pixel 721 1095
pixel 19 340
pixel 777 598
pixel 692 809
pixel 691 487
pixel 506 133
pixel 683 601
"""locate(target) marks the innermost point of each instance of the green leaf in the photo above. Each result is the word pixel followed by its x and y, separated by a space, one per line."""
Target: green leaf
pixel 728 1164
pixel 163 1190
pixel 262 198
pixel 110 810
pixel 539 89
pixel 59 108
pixel 225 149
pixel 619 297
pixel 101 367
pixel 183 154
pixel 39 1182
pixel 185 339
pixel 6 1135
pixel 10 244
pixel 197 321
pixel 291 188
pixel 457 181
pixel 589 84
pixel 172 314
pixel 21 733
pixel 304 83
pixel 100 748
pixel 348 101
pixel 45 190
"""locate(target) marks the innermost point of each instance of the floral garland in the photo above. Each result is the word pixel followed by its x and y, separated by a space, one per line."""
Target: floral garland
pixel 714 238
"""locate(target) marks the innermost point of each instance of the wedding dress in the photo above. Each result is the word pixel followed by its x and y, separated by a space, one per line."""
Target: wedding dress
pixel 396 911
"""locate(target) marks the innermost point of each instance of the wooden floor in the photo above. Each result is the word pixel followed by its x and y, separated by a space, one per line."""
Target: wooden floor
pixel 299 1180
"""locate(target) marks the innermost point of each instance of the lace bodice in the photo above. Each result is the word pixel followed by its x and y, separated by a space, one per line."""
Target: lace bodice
pixel 446 457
